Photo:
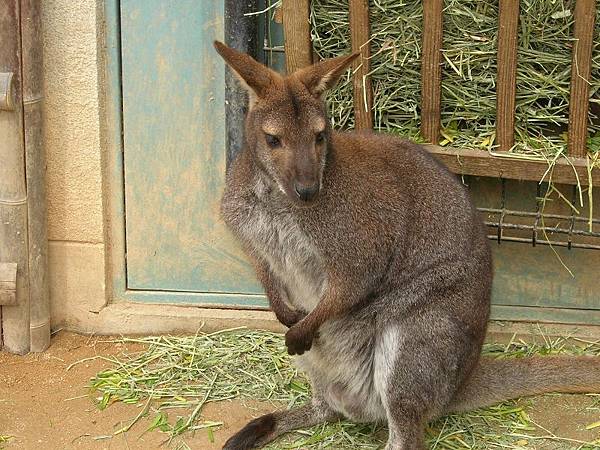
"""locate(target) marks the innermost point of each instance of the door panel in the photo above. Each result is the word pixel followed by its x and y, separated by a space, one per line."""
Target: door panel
pixel 174 150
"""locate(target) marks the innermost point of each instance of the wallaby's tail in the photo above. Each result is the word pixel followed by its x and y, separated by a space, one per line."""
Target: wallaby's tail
pixel 496 380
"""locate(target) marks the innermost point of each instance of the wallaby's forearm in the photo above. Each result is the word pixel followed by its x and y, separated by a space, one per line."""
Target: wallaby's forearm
pixel 336 300
pixel 275 293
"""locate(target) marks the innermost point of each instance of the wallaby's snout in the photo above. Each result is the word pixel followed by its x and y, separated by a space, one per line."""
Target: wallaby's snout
pixel 306 191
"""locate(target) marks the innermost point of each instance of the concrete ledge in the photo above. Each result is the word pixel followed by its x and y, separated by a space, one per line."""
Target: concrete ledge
pixel 152 319
pixel 536 331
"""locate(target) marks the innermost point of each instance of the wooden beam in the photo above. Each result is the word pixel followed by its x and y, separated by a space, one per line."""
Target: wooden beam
pixel 431 69
pixel 296 29
pixel 363 92
pixel 481 163
pixel 508 21
pixel 8 284
pixel 585 12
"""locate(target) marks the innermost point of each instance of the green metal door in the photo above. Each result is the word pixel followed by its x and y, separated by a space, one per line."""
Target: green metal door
pixel 174 155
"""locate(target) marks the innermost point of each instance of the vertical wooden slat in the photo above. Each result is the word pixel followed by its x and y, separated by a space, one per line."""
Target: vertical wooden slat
pixel 585 11
pixel 431 70
pixel 296 29
pixel 363 92
pixel 507 73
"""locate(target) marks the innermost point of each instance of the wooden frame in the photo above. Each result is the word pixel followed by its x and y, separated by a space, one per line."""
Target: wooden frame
pixel 571 170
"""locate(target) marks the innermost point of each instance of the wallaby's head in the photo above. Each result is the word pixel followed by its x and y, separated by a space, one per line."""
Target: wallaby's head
pixel 287 129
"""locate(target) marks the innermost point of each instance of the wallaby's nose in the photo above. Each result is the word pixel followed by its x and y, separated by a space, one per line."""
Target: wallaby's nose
pixel 306 192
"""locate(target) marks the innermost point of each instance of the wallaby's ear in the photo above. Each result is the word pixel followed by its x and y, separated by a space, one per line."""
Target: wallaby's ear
pixel 322 76
pixel 255 77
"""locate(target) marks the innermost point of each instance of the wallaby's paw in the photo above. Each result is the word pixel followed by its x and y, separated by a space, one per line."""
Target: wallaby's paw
pixel 252 435
pixel 291 318
pixel 298 340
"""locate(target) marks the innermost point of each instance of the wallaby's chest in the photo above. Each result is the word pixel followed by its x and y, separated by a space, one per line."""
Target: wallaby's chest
pixel 275 235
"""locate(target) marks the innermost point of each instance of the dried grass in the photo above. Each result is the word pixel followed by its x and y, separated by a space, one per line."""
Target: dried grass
pixel 468 71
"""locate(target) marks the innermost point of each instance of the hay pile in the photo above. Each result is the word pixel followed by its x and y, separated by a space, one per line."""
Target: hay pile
pixel 468 71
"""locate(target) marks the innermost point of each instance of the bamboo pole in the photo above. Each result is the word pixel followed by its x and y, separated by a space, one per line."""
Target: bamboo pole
pixel 32 64
pixel 13 193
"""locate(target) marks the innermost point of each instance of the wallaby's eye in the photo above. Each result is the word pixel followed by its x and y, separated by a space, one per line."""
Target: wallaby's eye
pixel 320 138
pixel 272 141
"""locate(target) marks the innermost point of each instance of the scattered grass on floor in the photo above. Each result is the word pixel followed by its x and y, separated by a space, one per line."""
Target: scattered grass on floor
pixel 4 438
pixel 175 377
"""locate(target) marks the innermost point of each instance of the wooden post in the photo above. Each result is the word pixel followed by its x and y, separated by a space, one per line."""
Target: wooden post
pixel 296 29
pixel 507 73
pixel 431 70
pixel 585 12
pixel 363 92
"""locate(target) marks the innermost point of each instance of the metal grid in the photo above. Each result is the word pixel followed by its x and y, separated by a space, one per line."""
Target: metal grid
pixel 570 231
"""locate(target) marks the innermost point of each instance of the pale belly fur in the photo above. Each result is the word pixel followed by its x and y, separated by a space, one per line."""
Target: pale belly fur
pixel 347 365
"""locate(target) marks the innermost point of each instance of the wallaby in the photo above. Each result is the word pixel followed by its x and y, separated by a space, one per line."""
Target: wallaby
pixel 373 255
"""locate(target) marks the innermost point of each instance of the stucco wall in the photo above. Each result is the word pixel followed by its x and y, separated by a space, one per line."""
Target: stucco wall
pixel 74 171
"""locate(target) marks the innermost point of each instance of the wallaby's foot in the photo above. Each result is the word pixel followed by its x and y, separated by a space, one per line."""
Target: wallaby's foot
pixel 290 317
pixel 263 430
pixel 405 446
pixel 298 339
pixel 405 435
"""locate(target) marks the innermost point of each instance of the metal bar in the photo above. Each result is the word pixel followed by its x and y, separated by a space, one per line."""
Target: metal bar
pixel 538 212
pixel 431 70
pixel 519 226
pixel 240 33
pixel 545 242
pixel 508 21
pixel 534 214
pixel 363 91
pixel 585 13
pixel 572 221
pixel 277 48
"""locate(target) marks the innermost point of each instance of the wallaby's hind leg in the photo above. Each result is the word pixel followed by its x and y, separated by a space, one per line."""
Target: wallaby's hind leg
pixel 418 368
pixel 263 430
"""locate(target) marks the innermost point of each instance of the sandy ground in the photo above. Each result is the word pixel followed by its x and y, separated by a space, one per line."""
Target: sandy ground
pixel 44 404
pixel 41 403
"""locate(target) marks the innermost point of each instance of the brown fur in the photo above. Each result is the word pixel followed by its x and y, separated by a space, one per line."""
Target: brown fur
pixel 374 256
